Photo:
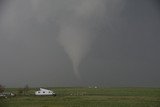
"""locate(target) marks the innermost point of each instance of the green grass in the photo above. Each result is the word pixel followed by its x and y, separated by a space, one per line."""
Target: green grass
pixel 88 97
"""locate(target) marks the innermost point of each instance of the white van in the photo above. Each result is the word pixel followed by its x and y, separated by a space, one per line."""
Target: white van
pixel 44 92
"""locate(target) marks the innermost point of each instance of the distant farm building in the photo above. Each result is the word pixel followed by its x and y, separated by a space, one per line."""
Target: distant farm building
pixel 44 92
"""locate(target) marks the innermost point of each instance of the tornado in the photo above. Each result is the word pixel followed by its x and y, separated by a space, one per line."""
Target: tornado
pixel 76 42
pixel 74 36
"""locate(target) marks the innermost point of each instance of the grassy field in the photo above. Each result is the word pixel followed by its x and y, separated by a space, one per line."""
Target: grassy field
pixel 87 97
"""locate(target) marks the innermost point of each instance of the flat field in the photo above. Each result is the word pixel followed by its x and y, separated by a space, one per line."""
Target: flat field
pixel 87 97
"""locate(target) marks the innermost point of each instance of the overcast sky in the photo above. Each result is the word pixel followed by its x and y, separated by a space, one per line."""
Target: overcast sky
pixel 80 43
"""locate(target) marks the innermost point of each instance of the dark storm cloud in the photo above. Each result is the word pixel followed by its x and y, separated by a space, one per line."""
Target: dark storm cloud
pixel 52 42
pixel 131 56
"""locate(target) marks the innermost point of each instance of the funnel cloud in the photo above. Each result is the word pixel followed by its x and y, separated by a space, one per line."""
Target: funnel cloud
pixel 74 36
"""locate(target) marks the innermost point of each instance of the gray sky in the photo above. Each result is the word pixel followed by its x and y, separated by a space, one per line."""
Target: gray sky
pixel 79 43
